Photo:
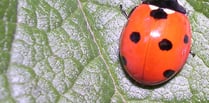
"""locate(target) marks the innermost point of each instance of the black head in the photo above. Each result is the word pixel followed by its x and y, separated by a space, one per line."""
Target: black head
pixel 170 4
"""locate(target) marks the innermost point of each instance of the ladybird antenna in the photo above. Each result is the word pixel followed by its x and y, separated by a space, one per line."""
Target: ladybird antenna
pixel 123 11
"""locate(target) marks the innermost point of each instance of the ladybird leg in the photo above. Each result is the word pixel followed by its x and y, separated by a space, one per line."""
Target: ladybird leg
pixel 193 54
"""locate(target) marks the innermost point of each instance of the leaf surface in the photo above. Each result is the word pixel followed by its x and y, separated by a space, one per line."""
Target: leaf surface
pixel 67 51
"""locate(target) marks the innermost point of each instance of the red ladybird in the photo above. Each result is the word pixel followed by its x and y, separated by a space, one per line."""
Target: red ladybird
pixel 155 42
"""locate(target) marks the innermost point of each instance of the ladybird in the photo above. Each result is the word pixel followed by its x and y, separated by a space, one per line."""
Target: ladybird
pixel 155 42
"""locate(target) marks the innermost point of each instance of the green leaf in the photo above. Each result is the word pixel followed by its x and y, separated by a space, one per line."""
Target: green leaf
pixel 67 51
pixel 200 6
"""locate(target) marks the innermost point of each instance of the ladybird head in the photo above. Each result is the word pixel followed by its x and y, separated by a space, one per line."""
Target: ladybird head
pixel 170 4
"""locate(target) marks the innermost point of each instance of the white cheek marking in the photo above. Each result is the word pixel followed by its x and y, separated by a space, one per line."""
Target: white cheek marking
pixel 152 7
pixel 180 3
pixel 155 34
pixel 168 11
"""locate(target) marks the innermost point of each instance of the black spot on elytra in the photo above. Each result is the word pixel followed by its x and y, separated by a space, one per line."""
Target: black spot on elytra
pixel 165 44
pixel 158 14
pixel 168 73
pixel 186 39
pixel 135 37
